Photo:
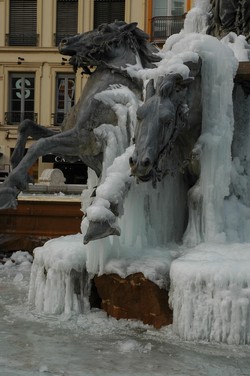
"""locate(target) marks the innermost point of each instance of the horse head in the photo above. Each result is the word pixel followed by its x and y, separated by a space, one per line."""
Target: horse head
pixel 160 120
pixel 107 43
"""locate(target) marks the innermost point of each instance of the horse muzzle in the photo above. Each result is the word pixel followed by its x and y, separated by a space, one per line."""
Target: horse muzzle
pixel 143 169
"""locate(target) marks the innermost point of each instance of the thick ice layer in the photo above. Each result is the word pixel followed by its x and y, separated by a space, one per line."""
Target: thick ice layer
pixel 210 293
pixel 154 263
pixel 58 280
pixel 206 199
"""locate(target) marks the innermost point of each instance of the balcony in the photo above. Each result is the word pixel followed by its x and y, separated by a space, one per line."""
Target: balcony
pixel 164 26
pixel 57 118
pixel 15 117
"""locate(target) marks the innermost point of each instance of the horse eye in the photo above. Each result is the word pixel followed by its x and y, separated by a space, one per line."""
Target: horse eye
pixel 167 122
pixel 140 113
pixel 139 116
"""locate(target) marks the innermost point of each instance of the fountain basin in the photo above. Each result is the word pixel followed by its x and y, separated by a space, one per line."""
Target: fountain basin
pixel 39 218
pixel 210 293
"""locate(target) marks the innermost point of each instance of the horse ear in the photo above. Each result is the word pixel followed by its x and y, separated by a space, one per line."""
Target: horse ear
pixel 194 67
pixel 150 90
pixel 98 39
pixel 170 82
pixel 129 27
pixel 165 85
pixel 105 28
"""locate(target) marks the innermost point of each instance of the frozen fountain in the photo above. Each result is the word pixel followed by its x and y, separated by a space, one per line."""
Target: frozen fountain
pixel 191 240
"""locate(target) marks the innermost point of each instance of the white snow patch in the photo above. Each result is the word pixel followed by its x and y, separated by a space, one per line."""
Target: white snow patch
pixel 133 345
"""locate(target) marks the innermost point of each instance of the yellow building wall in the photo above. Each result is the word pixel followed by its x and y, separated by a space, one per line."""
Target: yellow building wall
pixel 45 60
pixel 135 11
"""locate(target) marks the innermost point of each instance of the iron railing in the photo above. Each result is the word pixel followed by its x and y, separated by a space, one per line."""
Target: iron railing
pixel 15 117
pixel 4 172
pixel 21 39
pixel 57 118
pixel 164 26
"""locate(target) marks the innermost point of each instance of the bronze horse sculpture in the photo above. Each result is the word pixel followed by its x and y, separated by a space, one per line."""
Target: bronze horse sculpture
pixel 168 122
pixel 168 126
pixel 109 48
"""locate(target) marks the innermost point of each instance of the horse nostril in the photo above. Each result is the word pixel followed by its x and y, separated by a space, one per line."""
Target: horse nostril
pixel 146 162
pixel 64 41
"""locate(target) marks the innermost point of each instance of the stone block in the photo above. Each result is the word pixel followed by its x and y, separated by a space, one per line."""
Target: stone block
pixel 134 297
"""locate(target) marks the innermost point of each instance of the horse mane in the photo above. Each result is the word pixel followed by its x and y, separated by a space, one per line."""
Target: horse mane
pixel 110 36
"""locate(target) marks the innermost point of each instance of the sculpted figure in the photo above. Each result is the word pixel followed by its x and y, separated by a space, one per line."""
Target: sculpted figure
pixel 168 126
pixel 169 123
pixel 109 49
pixel 165 130
pixel 230 15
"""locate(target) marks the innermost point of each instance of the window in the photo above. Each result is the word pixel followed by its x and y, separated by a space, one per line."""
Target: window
pixel 66 19
pixel 21 104
pixel 107 11
pixel 168 18
pixel 178 8
pixel 23 19
pixel 65 96
pixel 168 7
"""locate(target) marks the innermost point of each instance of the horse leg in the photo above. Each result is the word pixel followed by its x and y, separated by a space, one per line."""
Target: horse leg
pixel 72 143
pixel 28 128
pixel 106 208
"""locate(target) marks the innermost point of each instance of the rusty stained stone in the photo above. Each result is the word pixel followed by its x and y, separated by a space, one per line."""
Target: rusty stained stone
pixel 134 297
pixel 243 70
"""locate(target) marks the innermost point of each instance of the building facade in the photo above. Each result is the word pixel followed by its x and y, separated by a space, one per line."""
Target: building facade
pixel 36 82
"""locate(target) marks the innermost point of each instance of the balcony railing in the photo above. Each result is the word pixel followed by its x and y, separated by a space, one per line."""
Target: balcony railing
pixel 15 117
pixel 164 26
pixel 22 39
pixel 4 172
pixel 57 118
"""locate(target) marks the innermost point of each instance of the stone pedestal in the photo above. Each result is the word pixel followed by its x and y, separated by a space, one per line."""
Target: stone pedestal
pixel 134 297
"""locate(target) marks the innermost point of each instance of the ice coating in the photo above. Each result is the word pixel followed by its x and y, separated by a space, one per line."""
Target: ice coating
pixel 205 280
pixel 210 293
pixel 56 267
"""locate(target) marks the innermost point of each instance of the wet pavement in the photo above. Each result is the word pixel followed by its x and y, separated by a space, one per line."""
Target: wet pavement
pixel 33 344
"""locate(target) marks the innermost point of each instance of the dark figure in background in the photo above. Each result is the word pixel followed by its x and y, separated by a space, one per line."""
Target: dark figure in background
pixel 230 15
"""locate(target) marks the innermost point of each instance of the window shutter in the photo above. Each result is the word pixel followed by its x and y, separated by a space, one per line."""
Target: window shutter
pixel 107 11
pixel 23 19
pixel 66 19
